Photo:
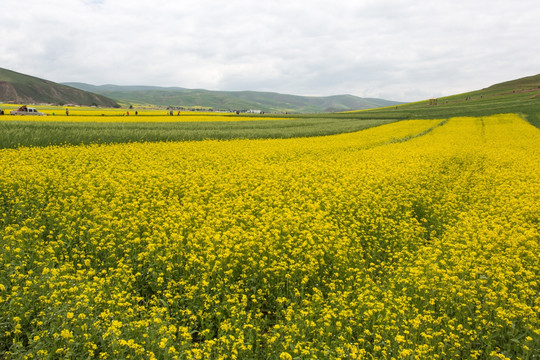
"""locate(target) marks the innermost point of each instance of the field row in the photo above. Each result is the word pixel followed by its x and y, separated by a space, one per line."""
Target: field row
pixel 15 134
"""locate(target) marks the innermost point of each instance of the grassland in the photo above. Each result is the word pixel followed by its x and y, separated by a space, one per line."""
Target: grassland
pixel 520 96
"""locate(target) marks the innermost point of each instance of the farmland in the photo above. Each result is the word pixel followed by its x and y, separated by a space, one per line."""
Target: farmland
pixel 110 126
pixel 416 239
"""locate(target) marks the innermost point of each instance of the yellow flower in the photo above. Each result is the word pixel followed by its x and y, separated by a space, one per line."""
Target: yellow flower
pixel 285 356
pixel 66 334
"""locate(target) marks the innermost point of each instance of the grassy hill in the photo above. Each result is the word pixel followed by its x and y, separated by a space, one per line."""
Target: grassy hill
pixel 24 89
pixel 521 96
pixel 232 100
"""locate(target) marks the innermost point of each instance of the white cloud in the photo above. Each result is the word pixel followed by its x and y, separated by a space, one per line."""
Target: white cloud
pixel 394 49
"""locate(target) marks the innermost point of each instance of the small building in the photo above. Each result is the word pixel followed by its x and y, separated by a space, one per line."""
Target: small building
pixel 432 101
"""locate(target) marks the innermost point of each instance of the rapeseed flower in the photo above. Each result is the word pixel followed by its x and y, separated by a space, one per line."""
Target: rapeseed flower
pixel 392 242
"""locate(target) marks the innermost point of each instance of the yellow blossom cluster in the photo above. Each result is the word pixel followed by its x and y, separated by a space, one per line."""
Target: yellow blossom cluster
pixel 413 240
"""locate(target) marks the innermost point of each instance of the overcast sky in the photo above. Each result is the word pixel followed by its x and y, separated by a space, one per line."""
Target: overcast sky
pixel 393 49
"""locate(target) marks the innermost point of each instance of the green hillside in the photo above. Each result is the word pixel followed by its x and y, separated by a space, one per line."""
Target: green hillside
pixel 232 100
pixel 24 89
pixel 521 96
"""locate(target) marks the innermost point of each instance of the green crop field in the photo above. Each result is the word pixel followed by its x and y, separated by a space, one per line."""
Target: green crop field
pixel 28 133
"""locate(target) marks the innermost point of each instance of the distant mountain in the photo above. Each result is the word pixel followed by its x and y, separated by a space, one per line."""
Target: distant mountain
pixel 25 89
pixel 232 100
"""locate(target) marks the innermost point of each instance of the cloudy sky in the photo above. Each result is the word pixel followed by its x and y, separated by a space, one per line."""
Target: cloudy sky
pixel 393 49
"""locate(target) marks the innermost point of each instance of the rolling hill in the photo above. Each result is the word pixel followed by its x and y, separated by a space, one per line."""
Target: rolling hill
pixel 520 96
pixel 24 89
pixel 232 100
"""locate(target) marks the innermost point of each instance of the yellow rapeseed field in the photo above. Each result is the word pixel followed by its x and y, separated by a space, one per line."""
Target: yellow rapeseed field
pixel 414 240
pixel 88 114
pixel 153 118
